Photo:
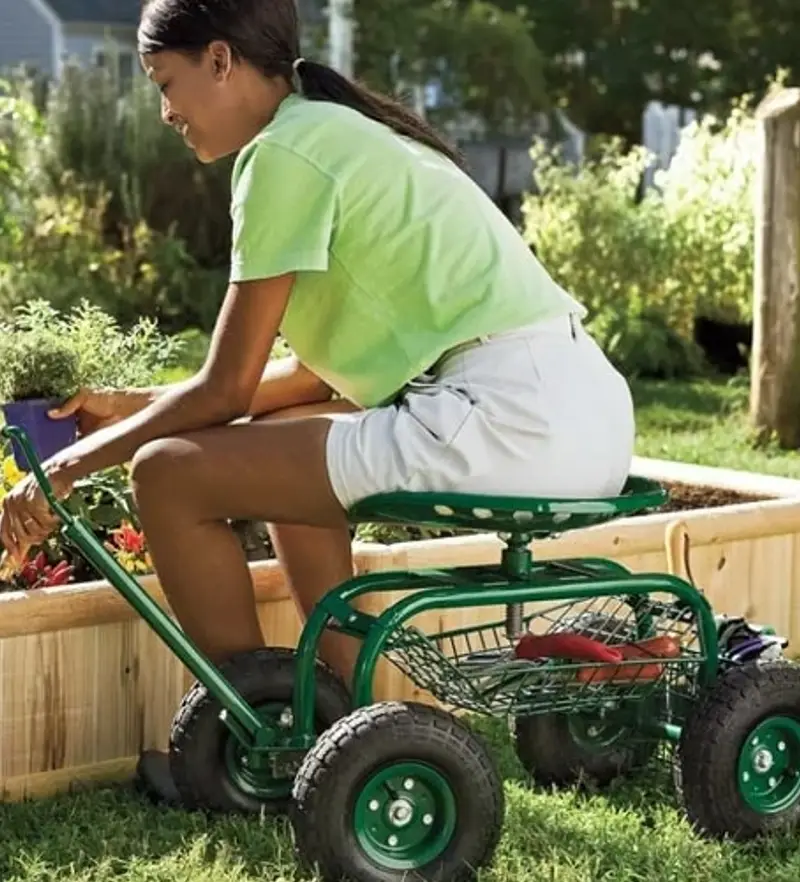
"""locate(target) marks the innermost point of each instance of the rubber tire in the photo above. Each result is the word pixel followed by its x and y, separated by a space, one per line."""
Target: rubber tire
pixel 198 736
pixel 551 756
pixel 708 751
pixel 549 753
pixel 335 769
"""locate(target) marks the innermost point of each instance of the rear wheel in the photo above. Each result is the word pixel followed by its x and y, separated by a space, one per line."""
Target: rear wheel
pixel 739 754
pixel 565 749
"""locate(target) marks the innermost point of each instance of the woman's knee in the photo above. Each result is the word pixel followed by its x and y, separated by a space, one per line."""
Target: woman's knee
pixel 158 466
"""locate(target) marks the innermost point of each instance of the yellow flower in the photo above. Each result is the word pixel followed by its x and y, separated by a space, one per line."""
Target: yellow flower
pixel 11 474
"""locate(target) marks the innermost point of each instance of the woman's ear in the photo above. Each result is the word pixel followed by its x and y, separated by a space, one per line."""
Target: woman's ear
pixel 221 58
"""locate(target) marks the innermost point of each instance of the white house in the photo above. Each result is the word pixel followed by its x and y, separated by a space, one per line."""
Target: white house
pixel 44 34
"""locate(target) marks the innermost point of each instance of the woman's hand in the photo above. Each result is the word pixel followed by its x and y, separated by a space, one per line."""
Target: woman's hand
pixel 26 519
pixel 98 408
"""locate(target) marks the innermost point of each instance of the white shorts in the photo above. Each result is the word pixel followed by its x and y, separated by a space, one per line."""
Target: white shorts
pixel 536 412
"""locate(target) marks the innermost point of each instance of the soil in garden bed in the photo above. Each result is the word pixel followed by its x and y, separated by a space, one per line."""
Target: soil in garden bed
pixel 686 497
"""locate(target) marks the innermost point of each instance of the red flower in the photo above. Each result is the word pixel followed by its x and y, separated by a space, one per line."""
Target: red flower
pixel 129 540
pixel 38 573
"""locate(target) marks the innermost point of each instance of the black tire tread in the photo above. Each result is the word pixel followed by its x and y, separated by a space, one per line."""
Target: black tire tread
pixel 552 758
pixel 246 672
pixel 710 742
pixel 409 723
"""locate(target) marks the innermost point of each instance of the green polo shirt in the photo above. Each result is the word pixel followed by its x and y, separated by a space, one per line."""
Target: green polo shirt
pixel 399 255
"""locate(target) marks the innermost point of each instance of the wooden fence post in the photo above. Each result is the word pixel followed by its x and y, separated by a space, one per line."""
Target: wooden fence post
pixel 775 372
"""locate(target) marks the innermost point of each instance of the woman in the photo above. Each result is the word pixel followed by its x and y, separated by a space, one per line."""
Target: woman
pixel 431 349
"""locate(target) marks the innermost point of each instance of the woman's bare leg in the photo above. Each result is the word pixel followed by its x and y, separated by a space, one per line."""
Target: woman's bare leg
pixel 186 488
pixel 317 559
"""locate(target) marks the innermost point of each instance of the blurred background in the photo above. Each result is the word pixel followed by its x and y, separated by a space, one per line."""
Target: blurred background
pixel 617 134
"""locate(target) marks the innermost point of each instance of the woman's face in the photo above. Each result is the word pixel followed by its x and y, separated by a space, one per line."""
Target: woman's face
pixel 216 104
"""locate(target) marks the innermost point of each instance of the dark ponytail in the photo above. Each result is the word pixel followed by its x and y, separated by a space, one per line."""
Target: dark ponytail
pixel 322 83
pixel 265 33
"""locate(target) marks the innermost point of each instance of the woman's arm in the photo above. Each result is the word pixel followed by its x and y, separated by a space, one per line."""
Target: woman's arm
pixel 223 390
pixel 287 383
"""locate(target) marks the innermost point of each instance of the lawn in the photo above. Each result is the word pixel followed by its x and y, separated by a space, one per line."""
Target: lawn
pixel 631 834
pixel 705 422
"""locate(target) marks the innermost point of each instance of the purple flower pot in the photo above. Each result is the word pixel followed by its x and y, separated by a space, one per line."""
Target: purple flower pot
pixel 48 436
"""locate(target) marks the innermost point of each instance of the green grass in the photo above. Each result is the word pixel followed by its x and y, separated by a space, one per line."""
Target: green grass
pixel 705 422
pixel 633 833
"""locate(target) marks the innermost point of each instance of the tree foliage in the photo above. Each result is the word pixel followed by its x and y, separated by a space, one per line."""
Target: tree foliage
pixel 605 59
pixel 484 58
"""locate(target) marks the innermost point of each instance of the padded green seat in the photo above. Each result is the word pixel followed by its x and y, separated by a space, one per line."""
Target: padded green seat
pixel 506 514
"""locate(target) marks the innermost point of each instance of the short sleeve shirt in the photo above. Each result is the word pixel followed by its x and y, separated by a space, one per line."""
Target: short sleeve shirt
pixel 398 254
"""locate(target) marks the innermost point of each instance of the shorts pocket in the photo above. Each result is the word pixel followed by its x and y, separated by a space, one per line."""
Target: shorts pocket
pixel 442 411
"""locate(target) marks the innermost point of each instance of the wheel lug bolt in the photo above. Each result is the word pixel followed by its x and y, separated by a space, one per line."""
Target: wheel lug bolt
pixel 374 805
pixel 781 746
pixel 772 782
pixel 408 784
pixel 427 820
pixel 393 841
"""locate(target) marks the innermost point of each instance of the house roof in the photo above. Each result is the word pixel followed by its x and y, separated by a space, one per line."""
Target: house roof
pixel 126 12
pixel 112 12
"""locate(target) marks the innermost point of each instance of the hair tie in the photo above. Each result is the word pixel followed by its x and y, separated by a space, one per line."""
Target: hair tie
pixel 297 83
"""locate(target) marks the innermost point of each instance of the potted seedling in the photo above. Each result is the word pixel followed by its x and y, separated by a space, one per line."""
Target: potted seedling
pixel 38 371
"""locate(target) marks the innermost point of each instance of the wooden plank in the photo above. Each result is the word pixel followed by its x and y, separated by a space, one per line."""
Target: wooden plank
pixel 53 782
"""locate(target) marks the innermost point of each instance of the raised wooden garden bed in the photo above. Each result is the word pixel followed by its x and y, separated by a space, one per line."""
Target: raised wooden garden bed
pixel 84 686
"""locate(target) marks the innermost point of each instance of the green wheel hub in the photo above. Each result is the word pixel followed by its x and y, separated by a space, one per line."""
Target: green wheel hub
pixel 405 816
pixel 594 734
pixel 264 780
pixel 768 772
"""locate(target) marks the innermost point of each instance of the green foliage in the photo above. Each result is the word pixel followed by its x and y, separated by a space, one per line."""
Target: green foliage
pixel 485 57
pixel 122 214
pixel 64 254
pixel 36 364
pixel 707 201
pixel 647 268
pixel 112 137
pixel 19 128
pixel 107 355
pixel 604 62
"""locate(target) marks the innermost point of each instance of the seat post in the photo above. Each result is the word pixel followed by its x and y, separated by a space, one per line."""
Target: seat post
pixel 517 565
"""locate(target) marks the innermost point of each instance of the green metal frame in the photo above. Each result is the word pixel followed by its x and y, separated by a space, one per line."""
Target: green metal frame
pixel 518 580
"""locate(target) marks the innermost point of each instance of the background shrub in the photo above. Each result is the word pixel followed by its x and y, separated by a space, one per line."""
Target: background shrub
pixel 648 267
pixel 101 201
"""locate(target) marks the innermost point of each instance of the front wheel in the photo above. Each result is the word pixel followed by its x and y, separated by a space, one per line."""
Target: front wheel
pixel 208 763
pixel 738 761
pixel 415 795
